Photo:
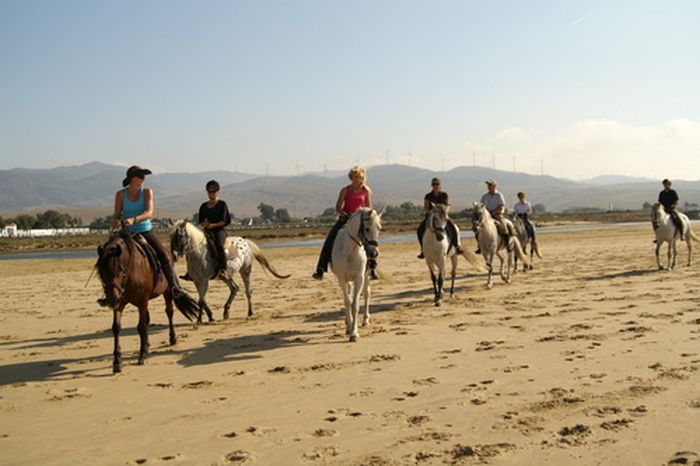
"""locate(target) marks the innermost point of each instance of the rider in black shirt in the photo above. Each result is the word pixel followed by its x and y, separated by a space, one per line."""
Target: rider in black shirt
pixel 669 199
pixel 437 196
pixel 214 217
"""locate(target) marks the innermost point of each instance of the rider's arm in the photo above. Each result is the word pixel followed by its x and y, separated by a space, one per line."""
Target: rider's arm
pixel 118 203
pixel 340 202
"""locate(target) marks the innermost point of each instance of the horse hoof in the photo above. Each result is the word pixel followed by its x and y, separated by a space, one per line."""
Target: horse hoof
pixel 141 362
pixel 353 338
pixel 116 368
pixel 438 303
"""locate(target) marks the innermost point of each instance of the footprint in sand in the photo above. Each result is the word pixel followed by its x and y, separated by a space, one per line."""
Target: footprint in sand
pixel 321 453
pixel 240 457
pixel 417 420
pixel 685 457
pixel 325 433
pixel 574 435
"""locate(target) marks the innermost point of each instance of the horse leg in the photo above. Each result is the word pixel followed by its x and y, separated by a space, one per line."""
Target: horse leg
pixel 671 254
pixel 658 250
pixel 116 328
pixel 202 288
pixel 144 321
pixel 500 270
pixel 233 290
pixel 436 293
pixel 489 268
pixel 347 289
pixel 366 295
pixel 245 273
pixel 356 290
pixel 454 259
pixel 440 284
pixel 169 312
pixel 689 242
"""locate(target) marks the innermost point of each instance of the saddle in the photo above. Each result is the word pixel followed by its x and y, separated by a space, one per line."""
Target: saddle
pixel 150 254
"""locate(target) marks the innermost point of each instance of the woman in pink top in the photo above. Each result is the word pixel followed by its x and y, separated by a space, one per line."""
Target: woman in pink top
pixel 351 198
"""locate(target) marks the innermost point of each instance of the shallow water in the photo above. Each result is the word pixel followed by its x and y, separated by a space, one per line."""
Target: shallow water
pixel 391 239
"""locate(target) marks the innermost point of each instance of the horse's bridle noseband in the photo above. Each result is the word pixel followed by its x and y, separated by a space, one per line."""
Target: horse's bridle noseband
pixel 363 241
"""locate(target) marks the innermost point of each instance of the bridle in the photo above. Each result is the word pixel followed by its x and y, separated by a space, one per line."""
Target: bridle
pixel 439 230
pixel 363 240
pixel 123 275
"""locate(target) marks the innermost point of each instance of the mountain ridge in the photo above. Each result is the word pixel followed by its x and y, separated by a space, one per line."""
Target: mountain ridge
pixel 92 186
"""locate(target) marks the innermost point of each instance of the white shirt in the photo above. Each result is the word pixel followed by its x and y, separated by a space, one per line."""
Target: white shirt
pixel 493 201
pixel 522 208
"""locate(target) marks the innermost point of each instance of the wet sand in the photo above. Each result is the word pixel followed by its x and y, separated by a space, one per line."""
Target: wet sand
pixel 591 358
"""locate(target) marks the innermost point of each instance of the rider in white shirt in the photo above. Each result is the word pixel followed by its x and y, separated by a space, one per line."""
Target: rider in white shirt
pixel 522 209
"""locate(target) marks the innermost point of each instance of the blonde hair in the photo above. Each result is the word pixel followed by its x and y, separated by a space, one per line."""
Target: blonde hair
pixel 358 170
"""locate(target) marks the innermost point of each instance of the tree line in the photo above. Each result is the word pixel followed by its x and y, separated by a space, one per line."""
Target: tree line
pixel 48 219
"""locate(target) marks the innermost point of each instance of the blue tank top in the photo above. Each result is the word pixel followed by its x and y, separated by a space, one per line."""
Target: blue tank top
pixel 132 209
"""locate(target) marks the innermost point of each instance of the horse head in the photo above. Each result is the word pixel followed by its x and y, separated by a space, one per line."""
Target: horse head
pixel 368 223
pixel 112 267
pixel 657 213
pixel 437 220
pixel 179 239
pixel 479 215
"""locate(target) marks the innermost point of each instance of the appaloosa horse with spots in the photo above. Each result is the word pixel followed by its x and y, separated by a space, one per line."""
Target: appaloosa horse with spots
pixel 189 241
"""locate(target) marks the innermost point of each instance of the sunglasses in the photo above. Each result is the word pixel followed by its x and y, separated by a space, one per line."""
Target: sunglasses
pixel 212 191
pixel 436 184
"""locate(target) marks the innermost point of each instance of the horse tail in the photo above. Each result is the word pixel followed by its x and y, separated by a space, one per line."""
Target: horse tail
pixel 519 251
pixel 471 258
pixel 260 257
pixel 187 306
pixel 536 248
pixel 692 235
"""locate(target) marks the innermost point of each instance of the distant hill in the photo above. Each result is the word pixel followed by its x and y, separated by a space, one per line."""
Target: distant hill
pixel 91 188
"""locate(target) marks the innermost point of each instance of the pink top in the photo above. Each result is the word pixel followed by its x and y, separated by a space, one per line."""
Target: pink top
pixel 354 200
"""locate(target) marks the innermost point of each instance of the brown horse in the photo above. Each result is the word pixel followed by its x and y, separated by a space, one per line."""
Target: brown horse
pixel 130 277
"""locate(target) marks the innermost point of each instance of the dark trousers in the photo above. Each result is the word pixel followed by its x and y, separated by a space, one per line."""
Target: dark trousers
pixel 450 229
pixel 163 257
pixel 218 239
pixel 325 257
pixel 675 218
pixel 528 226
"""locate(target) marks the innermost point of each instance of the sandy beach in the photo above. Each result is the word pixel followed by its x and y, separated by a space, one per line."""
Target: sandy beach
pixel 591 358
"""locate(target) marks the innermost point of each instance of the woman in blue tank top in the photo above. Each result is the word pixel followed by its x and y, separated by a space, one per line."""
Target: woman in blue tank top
pixel 133 209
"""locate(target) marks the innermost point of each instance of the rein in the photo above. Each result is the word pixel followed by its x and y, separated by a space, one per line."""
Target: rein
pixel 363 241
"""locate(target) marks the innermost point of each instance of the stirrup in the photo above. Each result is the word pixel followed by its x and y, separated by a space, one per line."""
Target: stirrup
pixel 103 301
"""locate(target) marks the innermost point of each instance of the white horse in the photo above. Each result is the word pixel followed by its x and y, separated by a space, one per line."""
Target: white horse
pixel 666 232
pixel 356 240
pixel 437 248
pixel 525 239
pixel 491 242
pixel 188 240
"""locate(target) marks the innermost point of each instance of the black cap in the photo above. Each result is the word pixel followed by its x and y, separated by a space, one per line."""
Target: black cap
pixel 133 171
pixel 213 185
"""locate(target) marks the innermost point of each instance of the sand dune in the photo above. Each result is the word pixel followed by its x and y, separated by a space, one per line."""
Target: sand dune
pixel 591 358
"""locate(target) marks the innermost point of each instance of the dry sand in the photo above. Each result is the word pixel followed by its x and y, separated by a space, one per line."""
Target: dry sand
pixel 591 358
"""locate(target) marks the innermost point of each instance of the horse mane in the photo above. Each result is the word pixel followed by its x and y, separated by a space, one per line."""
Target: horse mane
pixel 194 232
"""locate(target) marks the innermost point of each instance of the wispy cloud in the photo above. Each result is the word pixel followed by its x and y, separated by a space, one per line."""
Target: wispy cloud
pixel 582 18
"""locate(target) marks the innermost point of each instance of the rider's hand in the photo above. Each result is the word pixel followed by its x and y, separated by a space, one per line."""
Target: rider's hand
pixel 116 223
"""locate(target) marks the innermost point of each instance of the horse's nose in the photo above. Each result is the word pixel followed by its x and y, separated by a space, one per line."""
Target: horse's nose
pixel 372 252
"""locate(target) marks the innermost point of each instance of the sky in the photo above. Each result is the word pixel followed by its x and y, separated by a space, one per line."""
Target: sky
pixel 572 89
